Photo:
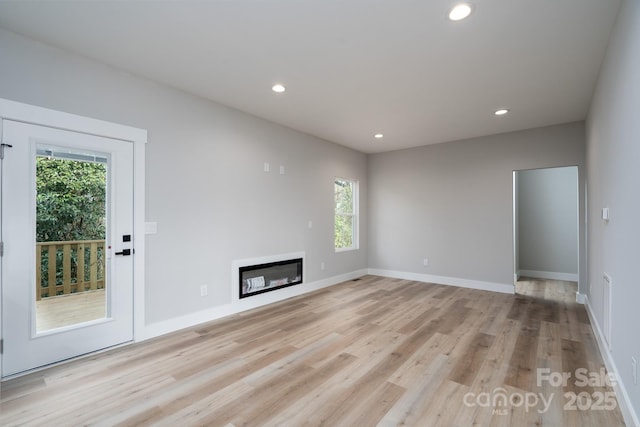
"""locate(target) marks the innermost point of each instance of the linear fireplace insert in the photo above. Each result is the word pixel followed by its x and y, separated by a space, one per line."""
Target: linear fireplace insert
pixel 260 278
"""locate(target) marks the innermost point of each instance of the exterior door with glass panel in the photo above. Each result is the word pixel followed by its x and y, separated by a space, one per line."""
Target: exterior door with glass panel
pixel 67 223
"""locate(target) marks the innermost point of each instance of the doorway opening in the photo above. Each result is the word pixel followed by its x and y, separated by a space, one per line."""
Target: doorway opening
pixel 545 232
pixel 65 289
pixel 27 343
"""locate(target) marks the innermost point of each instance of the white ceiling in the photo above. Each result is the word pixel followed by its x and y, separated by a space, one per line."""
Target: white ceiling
pixel 352 68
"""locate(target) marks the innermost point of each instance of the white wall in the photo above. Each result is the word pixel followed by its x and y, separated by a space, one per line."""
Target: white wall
pixel 548 223
pixel 453 202
pixel 613 166
pixel 205 183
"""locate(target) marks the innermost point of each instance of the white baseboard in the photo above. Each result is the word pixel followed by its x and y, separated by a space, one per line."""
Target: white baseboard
pixel 581 298
pixel 628 413
pixel 505 288
pixel 175 324
pixel 549 275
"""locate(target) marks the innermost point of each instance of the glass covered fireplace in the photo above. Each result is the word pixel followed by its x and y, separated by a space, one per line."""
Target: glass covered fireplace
pixel 260 278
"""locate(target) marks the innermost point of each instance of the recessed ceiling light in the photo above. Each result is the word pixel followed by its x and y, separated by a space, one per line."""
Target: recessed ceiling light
pixel 460 11
pixel 378 136
pixel 501 112
pixel 278 88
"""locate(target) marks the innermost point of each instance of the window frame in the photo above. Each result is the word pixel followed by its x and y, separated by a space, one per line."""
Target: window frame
pixel 354 215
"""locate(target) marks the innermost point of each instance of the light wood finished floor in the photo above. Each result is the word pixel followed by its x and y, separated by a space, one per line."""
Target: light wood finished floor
pixel 552 290
pixel 65 310
pixel 374 351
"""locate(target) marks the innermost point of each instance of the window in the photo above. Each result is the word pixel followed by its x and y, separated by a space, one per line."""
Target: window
pixel 346 214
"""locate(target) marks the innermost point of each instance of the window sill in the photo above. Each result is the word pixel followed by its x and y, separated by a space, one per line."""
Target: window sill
pixel 346 249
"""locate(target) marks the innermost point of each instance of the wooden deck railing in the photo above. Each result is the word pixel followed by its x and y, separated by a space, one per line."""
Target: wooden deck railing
pixel 69 267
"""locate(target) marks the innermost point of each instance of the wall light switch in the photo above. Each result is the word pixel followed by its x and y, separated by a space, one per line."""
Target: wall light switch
pixel 266 167
pixel 281 170
pixel 150 227
pixel 310 224
pixel 605 214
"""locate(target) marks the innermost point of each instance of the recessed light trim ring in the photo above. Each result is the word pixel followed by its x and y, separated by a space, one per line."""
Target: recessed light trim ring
pixel 460 11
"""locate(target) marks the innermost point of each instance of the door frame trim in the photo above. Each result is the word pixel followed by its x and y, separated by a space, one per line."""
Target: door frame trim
pixel 20 112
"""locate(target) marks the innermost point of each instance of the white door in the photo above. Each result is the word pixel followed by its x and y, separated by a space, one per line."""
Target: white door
pixel 67 224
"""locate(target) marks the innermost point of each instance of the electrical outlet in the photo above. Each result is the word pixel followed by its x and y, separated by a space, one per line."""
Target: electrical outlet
pixel 204 290
pixel 634 370
pixel 425 262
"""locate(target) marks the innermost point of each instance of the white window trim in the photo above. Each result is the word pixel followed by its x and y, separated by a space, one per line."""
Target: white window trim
pixel 355 215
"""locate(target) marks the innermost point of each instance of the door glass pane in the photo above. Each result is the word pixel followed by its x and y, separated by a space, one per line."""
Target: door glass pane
pixel 71 222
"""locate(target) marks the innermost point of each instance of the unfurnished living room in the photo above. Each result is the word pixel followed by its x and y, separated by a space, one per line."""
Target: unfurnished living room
pixel 340 213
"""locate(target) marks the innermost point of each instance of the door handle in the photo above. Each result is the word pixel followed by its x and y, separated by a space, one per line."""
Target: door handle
pixel 125 252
